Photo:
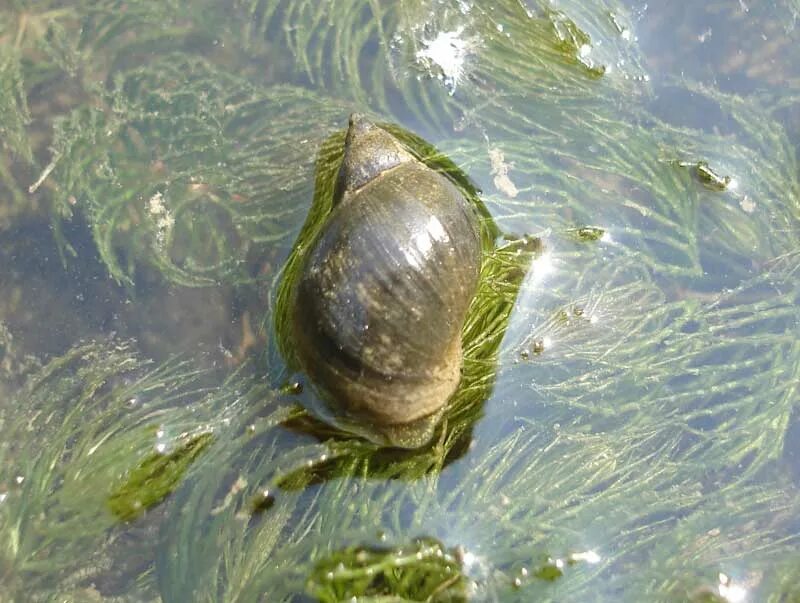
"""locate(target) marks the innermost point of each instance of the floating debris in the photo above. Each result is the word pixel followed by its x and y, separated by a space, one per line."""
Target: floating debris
pixel 447 53
pixel 710 179
pixel 747 204
pixel 500 172
pixel 163 219
pixel 706 175
pixel 551 569
pixel 587 233
pixel 574 40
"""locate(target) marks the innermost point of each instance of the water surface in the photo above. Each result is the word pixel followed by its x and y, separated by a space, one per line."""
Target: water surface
pixel 639 441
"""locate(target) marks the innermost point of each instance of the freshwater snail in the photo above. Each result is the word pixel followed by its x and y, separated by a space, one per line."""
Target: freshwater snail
pixel 382 291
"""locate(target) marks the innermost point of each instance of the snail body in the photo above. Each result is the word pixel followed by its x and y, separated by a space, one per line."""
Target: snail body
pixel 383 290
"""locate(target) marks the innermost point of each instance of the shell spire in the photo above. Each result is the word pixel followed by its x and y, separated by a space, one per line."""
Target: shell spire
pixel 369 151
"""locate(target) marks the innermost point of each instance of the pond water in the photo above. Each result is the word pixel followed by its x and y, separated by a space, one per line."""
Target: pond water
pixel 630 435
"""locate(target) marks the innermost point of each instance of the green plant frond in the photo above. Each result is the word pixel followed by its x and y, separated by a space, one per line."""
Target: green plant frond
pixel 15 145
pixel 438 61
pixel 236 497
pixel 641 186
pixel 761 164
pixel 650 382
pixel 155 478
pixel 14 112
pixel 181 170
pixel 94 412
pixel 111 31
pixel 784 584
pixel 422 571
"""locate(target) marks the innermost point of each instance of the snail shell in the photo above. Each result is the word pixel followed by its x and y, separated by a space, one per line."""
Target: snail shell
pixel 383 290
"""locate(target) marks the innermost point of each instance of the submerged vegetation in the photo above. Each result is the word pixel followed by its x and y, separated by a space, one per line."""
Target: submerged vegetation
pixel 629 436
pixel 71 432
pixel 423 571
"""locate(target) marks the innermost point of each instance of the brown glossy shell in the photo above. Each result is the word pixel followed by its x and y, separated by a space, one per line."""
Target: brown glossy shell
pixel 383 292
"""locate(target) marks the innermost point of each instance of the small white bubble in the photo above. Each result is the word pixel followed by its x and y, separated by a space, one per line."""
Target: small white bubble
pixel 469 559
pixel 732 593
pixel 587 556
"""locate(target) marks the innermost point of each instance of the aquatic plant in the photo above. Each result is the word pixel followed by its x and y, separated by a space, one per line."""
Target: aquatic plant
pixel 72 437
pixel 635 439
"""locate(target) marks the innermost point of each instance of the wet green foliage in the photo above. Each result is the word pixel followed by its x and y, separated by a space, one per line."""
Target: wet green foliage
pixel 14 109
pixel 422 571
pixel 165 188
pixel 164 161
pixel 155 478
pixel 70 433
pixel 639 404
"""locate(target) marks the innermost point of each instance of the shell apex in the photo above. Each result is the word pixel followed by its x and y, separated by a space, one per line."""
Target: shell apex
pixel 369 151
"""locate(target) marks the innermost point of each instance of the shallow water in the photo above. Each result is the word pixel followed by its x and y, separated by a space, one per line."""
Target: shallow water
pixel 639 441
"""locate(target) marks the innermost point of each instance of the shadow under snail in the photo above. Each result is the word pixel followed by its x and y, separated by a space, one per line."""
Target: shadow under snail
pixel 381 296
